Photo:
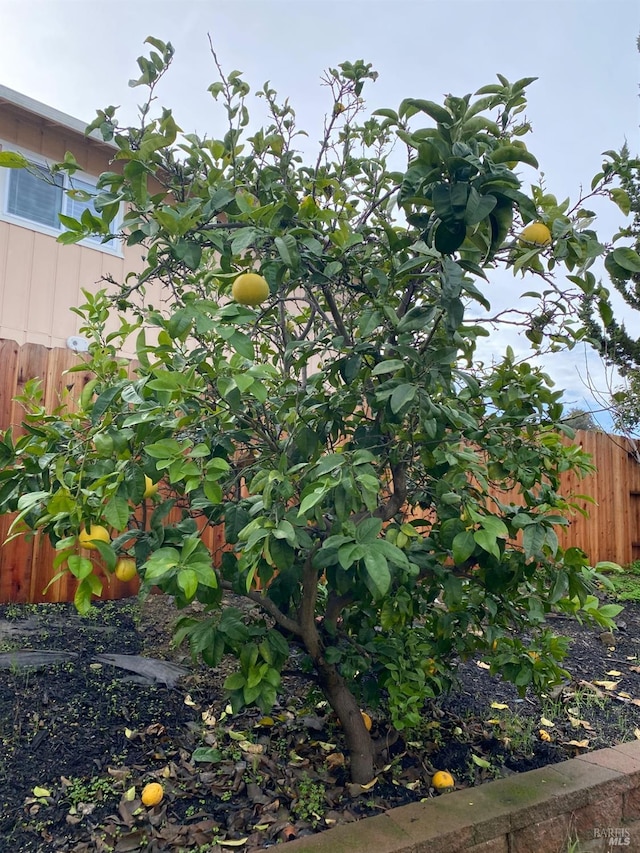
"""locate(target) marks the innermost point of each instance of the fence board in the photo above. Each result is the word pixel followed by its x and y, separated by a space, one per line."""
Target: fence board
pixel 611 532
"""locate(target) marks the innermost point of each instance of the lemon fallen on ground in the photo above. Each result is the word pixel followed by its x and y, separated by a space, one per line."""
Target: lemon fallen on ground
pixel 250 289
pixel 536 234
pixel 95 532
pixel 443 781
pixel 152 794
pixel 126 569
pixel 150 488
pixel 366 719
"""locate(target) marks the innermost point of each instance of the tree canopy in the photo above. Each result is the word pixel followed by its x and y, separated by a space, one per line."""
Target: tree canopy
pixel 389 502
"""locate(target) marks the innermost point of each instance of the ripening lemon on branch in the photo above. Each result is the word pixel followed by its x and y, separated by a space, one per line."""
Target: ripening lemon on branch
pixel 250 289
pixel 536 234
pixel 125 569
pixel 95 532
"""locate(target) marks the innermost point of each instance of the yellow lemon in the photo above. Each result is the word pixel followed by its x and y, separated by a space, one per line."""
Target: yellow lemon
pixel 250 289
pixel 150 488
pixel 126 569
pixel 443 781
pixel 95 532
pixel 366 719
pixel 536 234
pixel 152 794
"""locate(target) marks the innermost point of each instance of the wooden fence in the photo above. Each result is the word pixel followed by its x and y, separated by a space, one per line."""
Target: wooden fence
pixel 26 564
pixel 611 532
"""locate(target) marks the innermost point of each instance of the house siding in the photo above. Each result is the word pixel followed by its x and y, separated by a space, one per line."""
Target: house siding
pixel 41 279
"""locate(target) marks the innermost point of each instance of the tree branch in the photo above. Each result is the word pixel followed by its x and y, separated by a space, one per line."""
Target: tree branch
pixel 307 608
pixel 269 607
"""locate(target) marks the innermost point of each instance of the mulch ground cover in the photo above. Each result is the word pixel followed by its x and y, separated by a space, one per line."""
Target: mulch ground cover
pixel 93 708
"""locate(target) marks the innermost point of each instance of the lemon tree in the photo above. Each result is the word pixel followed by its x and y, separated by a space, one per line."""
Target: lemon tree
pixel 310 380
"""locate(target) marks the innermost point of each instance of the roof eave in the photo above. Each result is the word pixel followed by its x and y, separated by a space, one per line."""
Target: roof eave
pixel 49 114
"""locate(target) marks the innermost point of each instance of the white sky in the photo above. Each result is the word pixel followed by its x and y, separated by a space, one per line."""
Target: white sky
pixel 77 56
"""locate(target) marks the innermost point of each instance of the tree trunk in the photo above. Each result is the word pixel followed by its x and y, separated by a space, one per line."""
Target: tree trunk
pixel 333 685
pixel 342 700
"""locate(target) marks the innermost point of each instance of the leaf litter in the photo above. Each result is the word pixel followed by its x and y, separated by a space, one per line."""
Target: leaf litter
pixel 83 732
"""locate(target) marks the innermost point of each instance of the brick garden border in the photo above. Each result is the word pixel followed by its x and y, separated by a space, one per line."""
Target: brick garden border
pixel 591 798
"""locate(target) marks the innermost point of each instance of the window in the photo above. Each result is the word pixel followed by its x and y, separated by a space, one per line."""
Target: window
pixel 32 197
pixel 38 198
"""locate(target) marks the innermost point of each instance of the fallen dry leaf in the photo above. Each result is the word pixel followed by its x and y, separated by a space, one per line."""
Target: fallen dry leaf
pixel 335 760
pixel 577 723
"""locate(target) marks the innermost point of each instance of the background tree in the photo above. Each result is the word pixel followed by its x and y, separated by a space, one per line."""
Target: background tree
pixel 329 408
pixel 610 335
pixel 580 419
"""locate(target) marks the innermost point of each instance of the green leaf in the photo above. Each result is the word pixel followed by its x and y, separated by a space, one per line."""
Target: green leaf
pixel 438 113
pixel 389 366
pixel 606 311
pixel 243 239
pixel 236 517
pixel 507 153
pixel 533 540
pixel 190 252
pixel 242 344
pixel 80 567
pixel 464 544
pixel 13 160
pixel 620 197
pixel 235 681
pixel 188 583
pixel 288 251
pixel 378 574
pixel 495 526
pixel 627 258
pixel 402 396
pixel 615 270
pixel 160 563
pixel 487 541
pixel 478 207
pixel 368 530
pixel 117 512
pixel 311 500
pixel 83 594
pixel 207 754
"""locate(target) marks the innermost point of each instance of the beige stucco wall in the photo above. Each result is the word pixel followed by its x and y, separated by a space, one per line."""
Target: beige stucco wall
pixel 40 279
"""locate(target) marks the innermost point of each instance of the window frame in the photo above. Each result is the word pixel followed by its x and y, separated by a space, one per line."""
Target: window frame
pixel 115 247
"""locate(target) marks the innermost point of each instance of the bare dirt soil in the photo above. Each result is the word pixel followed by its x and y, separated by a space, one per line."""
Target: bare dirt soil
pixel 93 708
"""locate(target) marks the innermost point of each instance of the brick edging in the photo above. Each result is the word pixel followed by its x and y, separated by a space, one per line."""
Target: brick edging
pixel 534 812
